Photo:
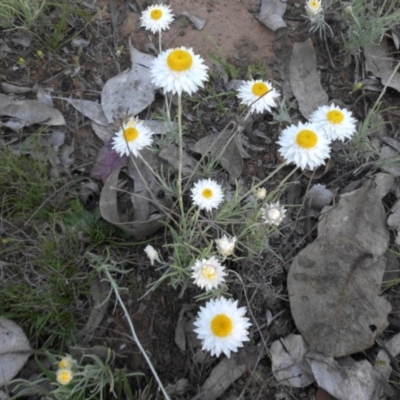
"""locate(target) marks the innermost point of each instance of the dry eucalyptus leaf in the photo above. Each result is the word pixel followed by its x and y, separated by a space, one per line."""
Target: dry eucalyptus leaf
pixel 271 13
pixel 228 370
pixel 170 154
pixel 380 64
pixel 22 37
pixel 107 161
pixel 388 165
pixel 178 388
pixel 319 196
pixel 29 111
pixel 14 350
pixel 131 91
pixel 180 337
pixel 8 88
pixel 90 109
pixel 99 293
pixel 359 381
pixel 384 183
pixel 43 96
pixel 102 132
pixel 288 363
pixel 198 22
pixel 136 203
pixel 393 220
pixel 334 283
pixel 231 160
pixel 304 78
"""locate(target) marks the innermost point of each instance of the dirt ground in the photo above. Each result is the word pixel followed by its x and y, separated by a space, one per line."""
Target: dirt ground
pixel 163 321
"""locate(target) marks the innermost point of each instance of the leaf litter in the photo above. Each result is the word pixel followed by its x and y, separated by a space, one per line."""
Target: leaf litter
pixel 224 376
pixel 334 283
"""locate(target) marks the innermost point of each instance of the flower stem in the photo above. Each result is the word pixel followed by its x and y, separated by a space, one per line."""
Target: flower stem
pixel 180 166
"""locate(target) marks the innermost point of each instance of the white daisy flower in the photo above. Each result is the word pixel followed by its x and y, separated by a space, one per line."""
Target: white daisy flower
pixel 157 18
pixel 313 8
pixel 273 214
pixel 222 327
pixel 152 253
pixel 304 145
pixel 337 123
pixel 66 362
pixel 225 245
pixel 207 194
pixel 132 137
pixel 64 376
pixel 208 274
pixel 178 70
pixel 261 193
pixel 258 94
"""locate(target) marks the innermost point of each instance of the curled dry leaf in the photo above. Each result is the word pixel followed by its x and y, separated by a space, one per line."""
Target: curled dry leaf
pixel 29 112
pixel 135 203
pixel 271 13
pixel 304 78
pixel 14 350
pixel 334 284
pixel 131 91
pixel 288 361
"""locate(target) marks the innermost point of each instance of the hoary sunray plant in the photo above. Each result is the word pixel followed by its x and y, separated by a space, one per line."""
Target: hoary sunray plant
pixel 215 222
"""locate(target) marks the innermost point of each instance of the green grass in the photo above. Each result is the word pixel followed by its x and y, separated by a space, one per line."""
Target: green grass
pixel 367 22
pixel 49 21
pixel 46 233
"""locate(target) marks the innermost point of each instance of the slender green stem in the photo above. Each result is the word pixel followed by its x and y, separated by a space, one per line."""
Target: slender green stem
pixel 180 166
pixel 132 328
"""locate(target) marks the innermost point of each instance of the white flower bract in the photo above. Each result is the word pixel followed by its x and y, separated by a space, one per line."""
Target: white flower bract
pixel 225 245
pixel 207 194
pixel 261 193
pixel 208 274
pixel 273 214
pixel 258 94
pixel 178 70
pixel 313 8
pixel 222 326
pixel 132 137
pixel 304 145
pixel 152 253
pixel 157 18
pixel 335 122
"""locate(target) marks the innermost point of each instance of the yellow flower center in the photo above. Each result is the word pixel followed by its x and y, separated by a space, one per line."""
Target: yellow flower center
pixel 335 116
pixel 207 193
pixel 131 134
pixel 209 272
pixel 222 325
pixel 314 4
pixel 65 377
pixel 64 363
pixel 156 14
pixel 260 88
pixel 179 60
pixel 307 139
